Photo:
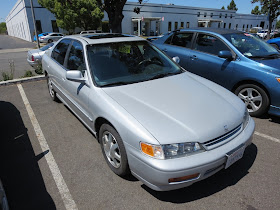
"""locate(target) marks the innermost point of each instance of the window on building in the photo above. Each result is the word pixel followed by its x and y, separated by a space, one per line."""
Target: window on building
pixel 54 26
pixel 176 26
pixel 76 58
pixel 266 26
pixel 257 25
pixel 230 15
pixel 205 14
pixel 236 26
pixel 272 26
pixel 38 26
pixel 187 24
pixel 225 25
pixel 182 25
pixel 229 26
pixel 60 50
pixel 251 26
pixel 181 39
pixel 225 15
pixel 209 44
pixel 198 14
pixel 219 25
pixel 247 27
pixel 211 14
pixel 169 26
pixel 221 15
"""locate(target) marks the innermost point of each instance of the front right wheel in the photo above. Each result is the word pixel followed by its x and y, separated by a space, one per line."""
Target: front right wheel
pixel 51 90
pixel 254 97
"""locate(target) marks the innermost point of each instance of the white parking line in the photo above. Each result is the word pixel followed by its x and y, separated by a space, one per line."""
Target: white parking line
pixel 267 137
pixel 66 196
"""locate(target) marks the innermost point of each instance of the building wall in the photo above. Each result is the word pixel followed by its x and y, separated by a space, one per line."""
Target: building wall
pixel 20 23
pixel 17 22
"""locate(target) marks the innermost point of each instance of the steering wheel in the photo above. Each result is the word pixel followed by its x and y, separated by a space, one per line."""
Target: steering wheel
pixel 149 61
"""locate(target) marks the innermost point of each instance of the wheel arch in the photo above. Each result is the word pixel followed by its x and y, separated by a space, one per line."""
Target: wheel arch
pixel 251 82
pixel 98 123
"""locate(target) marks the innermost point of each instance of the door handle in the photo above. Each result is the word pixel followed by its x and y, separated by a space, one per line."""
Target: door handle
pixel 164 50
pixel 194 57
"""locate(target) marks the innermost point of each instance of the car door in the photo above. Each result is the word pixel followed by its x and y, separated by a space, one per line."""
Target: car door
pixel 77 92
pixel 55 67
pixel 204 59
pixel 179 45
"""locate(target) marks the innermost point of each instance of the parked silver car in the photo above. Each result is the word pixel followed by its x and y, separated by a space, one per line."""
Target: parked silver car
pixel 51 37
pixel 34 57
pixel 168 127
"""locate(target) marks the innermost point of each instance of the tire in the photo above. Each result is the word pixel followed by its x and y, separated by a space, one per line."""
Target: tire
pixel 51 90
pixel 50 40
pixel 275 46
pixel 254 97
pixel 113 150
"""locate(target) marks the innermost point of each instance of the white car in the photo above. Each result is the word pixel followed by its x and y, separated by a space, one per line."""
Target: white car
pixel 263 34
pixel 51 37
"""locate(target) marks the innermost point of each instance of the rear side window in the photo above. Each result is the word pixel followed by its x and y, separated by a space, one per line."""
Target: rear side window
pixel 209 44
pixel 76 57
pixel 181 40
pixel 60 50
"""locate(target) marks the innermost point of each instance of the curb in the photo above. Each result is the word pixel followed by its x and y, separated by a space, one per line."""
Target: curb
pixel 23 80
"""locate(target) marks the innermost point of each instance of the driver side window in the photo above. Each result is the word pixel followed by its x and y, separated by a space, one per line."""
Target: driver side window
pixel 209 44
pixel 75 59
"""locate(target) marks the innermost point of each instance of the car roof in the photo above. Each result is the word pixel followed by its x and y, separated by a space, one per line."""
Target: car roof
pixel 213 30
pixel 99 38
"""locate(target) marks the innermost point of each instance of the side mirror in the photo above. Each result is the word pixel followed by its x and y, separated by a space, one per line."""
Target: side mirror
pixel 75 76
pixel 225 54
pixel 176 59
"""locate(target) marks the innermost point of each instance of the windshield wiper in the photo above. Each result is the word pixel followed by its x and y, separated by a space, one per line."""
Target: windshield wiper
pixel 274 55
pixel 116 84
pixel 164 75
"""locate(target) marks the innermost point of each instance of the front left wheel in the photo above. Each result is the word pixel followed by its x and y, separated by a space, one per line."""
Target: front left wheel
pixel 113 150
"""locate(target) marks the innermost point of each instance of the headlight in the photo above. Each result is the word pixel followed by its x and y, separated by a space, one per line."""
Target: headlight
pixel 245 118
pixel 169 151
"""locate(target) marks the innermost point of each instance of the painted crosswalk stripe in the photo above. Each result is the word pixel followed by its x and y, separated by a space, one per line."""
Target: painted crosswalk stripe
pixel 66 196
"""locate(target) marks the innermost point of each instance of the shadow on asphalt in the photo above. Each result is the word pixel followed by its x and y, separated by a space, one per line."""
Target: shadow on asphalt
pixel 19 169
pixel 271 118
pixel 213 184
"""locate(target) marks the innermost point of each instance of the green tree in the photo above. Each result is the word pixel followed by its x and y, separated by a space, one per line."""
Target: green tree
pixel 270 8
pixel 256 11
pixel 223 7
pixel 232 6
pixel 114 9
pixel 3 28
pixel 84 14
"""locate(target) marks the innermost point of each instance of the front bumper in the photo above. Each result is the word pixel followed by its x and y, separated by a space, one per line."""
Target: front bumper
pixel 155 173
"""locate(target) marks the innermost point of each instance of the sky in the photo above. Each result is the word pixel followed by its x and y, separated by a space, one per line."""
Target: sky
pixel 244 6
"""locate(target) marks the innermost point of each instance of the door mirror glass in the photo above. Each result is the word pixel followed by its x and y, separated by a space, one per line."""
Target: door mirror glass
pixel 75 76
pixel 225 54
pixel 176 59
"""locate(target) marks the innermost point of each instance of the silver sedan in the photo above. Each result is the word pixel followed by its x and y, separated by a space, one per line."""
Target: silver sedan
pixel 167 127
pixel 34 57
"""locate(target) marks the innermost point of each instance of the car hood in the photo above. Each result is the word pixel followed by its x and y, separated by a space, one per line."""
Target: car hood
pixel 180 108
pixel 274 63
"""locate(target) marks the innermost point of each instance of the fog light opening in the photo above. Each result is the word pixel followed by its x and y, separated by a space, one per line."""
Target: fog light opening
pixel 183 178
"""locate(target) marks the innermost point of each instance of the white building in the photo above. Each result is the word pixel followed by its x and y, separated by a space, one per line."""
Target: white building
pixel 154 19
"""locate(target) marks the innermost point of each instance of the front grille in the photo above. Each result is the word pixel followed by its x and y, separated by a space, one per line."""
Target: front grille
pixel 222 139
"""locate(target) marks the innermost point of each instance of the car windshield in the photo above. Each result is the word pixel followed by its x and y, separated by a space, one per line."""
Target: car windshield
pixel 46 47
pixel 252 47
pixel 128 62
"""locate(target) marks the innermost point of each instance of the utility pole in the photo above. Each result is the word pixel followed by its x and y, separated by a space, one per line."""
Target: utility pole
pixel 35 28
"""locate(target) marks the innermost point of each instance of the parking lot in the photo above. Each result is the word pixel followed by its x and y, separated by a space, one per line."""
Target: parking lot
pixel 49 160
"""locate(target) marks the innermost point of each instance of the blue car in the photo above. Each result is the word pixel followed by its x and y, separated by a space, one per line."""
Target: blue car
pixel 275 42
pixel 42 34
pixel 238 61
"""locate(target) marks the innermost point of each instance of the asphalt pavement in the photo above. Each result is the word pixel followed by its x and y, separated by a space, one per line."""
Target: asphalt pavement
pixel 32 180
pixel 13 55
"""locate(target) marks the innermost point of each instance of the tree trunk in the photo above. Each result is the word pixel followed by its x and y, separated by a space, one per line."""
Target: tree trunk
pixel 115 24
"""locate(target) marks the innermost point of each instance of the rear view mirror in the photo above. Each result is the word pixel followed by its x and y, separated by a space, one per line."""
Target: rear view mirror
pixel 225 54
pixel 176 59
pixel 75 76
